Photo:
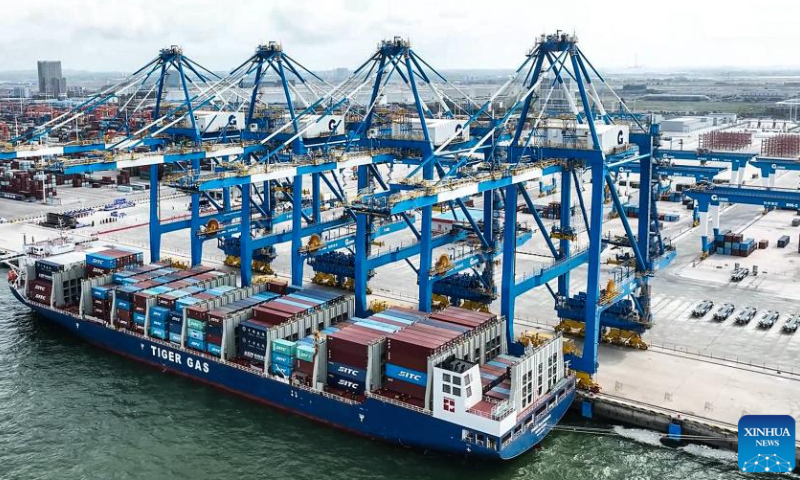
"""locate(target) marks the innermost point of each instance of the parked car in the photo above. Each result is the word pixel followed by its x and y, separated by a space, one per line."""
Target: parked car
pixel 702 308
pixel 724 311
pixel 769 319
pixel 791 323
pixel 740 274
pixel 745 315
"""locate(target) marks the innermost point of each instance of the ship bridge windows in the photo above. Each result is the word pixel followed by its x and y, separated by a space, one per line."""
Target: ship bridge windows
pixel 451 384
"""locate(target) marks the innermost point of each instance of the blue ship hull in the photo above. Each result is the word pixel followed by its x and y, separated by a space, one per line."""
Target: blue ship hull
pixel 373 418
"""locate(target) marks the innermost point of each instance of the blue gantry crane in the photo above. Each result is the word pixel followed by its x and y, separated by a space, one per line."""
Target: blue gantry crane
pixel 450 152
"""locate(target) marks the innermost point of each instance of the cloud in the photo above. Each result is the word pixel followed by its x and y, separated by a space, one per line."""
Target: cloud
pixel 108 35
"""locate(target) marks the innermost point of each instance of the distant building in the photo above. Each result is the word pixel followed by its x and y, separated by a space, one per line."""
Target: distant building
pixel 76 91
pixel 690 124
pixel 634 88
pixel 51 82
pixel 21 92
pixel 339 73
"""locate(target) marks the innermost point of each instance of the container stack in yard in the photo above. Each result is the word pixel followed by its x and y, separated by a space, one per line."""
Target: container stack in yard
pixel 553 210
pixel 21 181
pixel 728 243
pixel 632 211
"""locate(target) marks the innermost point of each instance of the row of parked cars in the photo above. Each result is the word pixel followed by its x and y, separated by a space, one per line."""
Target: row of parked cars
pixel 745 315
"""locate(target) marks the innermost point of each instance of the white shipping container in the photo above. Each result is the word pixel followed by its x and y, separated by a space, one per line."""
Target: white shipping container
pixel 320 125
pixel 212 121
pixel 580 136
pixel 441 129
pixel 611 136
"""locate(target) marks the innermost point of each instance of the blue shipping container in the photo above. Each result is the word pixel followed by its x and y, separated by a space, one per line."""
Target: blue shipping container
pixel 346 371
pixel 175 337
pixel 406 375
pixel 281 360
pixel 158 333
pixel 280 370
pixel 345 383
pixel 196 344
pixel 158 323
pixel 214 349
pixel 101 293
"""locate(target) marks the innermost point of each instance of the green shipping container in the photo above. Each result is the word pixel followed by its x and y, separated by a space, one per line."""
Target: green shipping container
pixel 284 347
pixel 305 353
pixel 196 324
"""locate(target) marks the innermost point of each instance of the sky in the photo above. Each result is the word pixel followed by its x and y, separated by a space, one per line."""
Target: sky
pixel 111 35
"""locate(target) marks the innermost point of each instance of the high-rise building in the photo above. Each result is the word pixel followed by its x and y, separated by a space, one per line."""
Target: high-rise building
pixel 51 82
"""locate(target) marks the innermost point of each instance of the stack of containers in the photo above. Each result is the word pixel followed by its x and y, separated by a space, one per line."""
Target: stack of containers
pixel 158 322
pixel 59 277
pixel 499 389
pixel 282 357
pixel 304 360
pixel 669 217
pixel 101 301
pixel 348 353
pixel 40 290
pixel 205 333
pixel 728 243
pixel 136 286
pixel 407 357
pixel 111 260
pixel 492 375
pixel 251 338
pixel 252 334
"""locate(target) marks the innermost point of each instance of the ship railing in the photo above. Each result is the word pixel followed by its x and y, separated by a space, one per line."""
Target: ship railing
pixel 499 412
pixel 398 403
pixel 327 394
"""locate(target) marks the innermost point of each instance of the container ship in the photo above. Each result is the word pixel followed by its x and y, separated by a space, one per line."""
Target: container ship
pixel 442 381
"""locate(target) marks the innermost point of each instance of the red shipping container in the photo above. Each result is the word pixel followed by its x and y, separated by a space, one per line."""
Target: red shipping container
pixel 215 339
pixel 39 297
pixel 304 367
pixel 270 317
pixel 43 287
pixel 405 388
pixel 140 299
pixel 197 313
pixel 349 345
pixel 124 315
pixel 280 287
pixel 282 307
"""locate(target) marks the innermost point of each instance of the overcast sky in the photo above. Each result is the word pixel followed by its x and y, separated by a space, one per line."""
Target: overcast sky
pixel 111 35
